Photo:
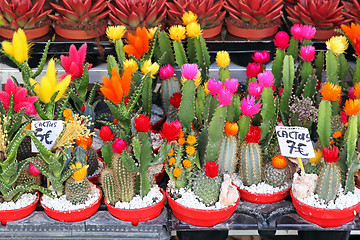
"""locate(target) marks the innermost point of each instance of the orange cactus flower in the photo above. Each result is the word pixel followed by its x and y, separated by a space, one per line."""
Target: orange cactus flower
pixel 190 150
pixel 352 31
pixel 172 161
pixel 332 142
pixel 181 141
pixel 85 142
pixel 357 90
pixel 177 172
pixel 231 128
pixel 331 92
pixel 171 152
pixel 279 161
pixel 337 134
pixel 186 163
pixel 191 139
pixel 79 174
pixel 352 107
pixel 181 134
pixel 138 44
pixel 115 88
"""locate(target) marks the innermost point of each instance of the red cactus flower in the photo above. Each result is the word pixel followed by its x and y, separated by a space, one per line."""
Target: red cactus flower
pixel 142 123
pixel 330 154
pixel 175 99
pixel 253 135
pixel 106 134
pixel 170 130
pixel 253 69
pixel 211 169
pixel 119 145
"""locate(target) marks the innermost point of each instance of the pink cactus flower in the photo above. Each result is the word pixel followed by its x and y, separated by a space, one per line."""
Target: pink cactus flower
pixel 280 124
pixel 248 106
pixel 308 31
pixel 281 40
pixel 297 32
pixel 119 145
pixel 214 86
pixel 261 57
pixel 224 97
pixel 351 94
pixel 255 89
pixel 232 85
pixel 189 71
pixel 33 170
pixel 21 99
pixel 166 71
pixel 266 78
pixel 253 69
pixel 307 53
pixel 343 117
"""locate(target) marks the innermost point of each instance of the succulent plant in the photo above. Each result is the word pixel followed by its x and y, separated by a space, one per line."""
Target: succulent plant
pixel 323 14
pixel 352 10
pixel 137 13
pixel 209 13
pixel 254 12
pixel 22 14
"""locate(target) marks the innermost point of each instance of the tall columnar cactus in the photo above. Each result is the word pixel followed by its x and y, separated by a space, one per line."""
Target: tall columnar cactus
pixel 109 186
pixel 288 81
pixel 329 176
pixel 187 105
pixel 124 180
pixel 250 158
pixel 227 157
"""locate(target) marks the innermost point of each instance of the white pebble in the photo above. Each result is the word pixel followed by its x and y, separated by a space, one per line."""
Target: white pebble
pixel 25 200
pixel 262 187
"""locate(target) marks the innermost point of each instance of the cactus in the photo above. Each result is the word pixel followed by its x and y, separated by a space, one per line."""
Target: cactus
pixel 306 72
pixel 274 176
pixel 312 168
pixel 187 106
pixel 319 64
pixel 206 188
pixel 24 150
pixel 165 49
pixel 329 182
pixel 108 183
pixel 77 192
pixel 268 114
pixel 168 88
pixel 288 81
pixel 324 122
pixel 124 180
pixel 25 177
pixel 227 158
pixel 92 161
pixel 352 161
pixel 277 67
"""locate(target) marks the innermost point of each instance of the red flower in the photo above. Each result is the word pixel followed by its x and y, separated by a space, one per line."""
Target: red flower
pixel 82 109
pixel 126 101
pixel 281 40
pixel 170 130
pixel 211 169
pixel 253 69
pixel 330 154
pixel 253 135
pixel 261 57
pixel 106 134
pixel 142 123
pixel 175 99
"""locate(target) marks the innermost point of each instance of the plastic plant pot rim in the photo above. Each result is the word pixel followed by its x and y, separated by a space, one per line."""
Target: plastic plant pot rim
pixel 263 198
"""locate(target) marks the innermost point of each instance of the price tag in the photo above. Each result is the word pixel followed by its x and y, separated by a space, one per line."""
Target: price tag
pixel 46 131
pixel 295 142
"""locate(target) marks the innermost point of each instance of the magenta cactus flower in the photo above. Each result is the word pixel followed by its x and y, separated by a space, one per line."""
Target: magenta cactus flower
pixel 119 145
pixel 281 40
pixel 308 31
pixel 351 94
pixel 189 71
pixel 166 72
pixel 21 99
pixel 248 106
pixel 261 57
pixel 297 32
pixel 33 170
pixel 307 53
pixel 255 89
pixel 266 78
pixel 74 63
pixel 253 69
pixel 214 86
pixel 232 85
pixel 224 97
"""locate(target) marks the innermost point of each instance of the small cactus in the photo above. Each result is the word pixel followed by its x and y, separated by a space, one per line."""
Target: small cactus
pixel 77 192
pixel 124 180
pixel 92 161
pixel 108 183
pixel 276 172
pixel 227 157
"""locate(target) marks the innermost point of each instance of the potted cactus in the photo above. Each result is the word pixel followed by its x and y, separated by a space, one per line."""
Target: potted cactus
pixel 26 15
pixel 253 19
pixel 80 19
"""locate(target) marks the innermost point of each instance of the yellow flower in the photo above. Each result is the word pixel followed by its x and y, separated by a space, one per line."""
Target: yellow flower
pixel 206 89
pixel 81 173
pixel 317 158
pixel 131 63
pixel 189 17
pixel 50 85
pixel 338 44
pixel 115 32
pixel 151 32
pixel 171 152
pixel 186 163
pixel 172 161
pixel 19 47
pixel 222 59
pixel 177 172
pixel 177 32
pixel 191 139
pixel 190 150
pixel 193 30
pixel 147 66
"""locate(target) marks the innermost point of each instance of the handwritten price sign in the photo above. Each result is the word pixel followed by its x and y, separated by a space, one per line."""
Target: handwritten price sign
pixel 46 131
pixel 295 142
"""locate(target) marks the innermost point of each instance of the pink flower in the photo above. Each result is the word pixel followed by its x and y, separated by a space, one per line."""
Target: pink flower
pixel 266 78
pixel 189 71
pixel 261 57
pixel 166 71
pixel 255 89
pixel 351 94
pixel 307 53
pixel 281 40
pixel 253 69
pixel 248 106
pixel 224 97
pixel 214 86
pixel 308 31
pixel 74 63
pixel 297 32
pixel 280 124
pixel 343 117
pixel 119 145
pixel 21 100
pixel 232 85
pixel 33 170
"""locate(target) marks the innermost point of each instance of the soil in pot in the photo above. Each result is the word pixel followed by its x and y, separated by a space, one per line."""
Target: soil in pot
pixel 252 32
pixel 81 31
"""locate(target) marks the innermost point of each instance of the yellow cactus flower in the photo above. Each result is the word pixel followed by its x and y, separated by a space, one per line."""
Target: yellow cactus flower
pixel 222 59
pixel 189 17
pixel 206 89
pixel 131 64
pixel 115 32
pixel 186 163
pixel 190 150
pixel 147 66
pixel 49 84
pixel 151 32
pixel 317 158
pixel 197 79
pixel 19 47
pixel 177 172
pixel 193 30
pixel 338 44
pixel 177 32
pixel 172 161
pixel 191 139
pixel 81 173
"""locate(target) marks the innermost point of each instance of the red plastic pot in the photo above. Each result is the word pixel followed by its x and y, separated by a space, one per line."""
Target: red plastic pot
pixel 324 35
pixel 325 217
pixel 137 215
pixel 200 217
pixel 16 214
pixel 263 198
pixel 30 33
pixel 96 178
pixel 73 215
pixel 251 34
pixel 80 34
pixel 212 32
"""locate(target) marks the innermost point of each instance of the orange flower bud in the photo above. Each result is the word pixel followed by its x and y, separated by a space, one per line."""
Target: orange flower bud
pixel 177 172
pixel 231 128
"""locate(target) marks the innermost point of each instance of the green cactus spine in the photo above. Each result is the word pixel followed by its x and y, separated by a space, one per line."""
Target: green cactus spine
pixel 206 188
pixel 329 182
pixel 124 180
pixel 274 176
pixel 168 88
pixel 92 161
pixel 108 184
pixel 77 192
pixel 227 158
pixel 250 163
